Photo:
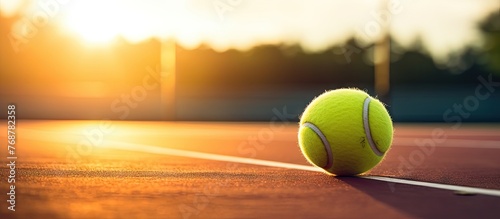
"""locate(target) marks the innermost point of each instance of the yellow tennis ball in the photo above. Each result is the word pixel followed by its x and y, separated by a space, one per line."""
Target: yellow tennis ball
pixel 345 132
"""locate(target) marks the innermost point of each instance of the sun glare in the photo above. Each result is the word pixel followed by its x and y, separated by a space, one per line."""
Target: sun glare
pixel 233 24
pixel 92 22
pixel 103 21
pixel 92 32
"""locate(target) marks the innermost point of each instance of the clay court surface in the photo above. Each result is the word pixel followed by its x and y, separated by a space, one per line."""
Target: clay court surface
pixel 141 169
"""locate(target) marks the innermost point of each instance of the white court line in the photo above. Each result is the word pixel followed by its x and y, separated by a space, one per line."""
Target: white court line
pixel 202 155
pixel 251 161
pixel 467 189
pixel 451 143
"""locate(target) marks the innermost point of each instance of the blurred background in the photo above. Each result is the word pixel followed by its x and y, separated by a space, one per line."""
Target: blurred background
pixel 237 60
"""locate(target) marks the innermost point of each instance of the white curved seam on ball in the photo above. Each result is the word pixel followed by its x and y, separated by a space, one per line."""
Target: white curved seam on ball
pixel 325 142
pixel 366 125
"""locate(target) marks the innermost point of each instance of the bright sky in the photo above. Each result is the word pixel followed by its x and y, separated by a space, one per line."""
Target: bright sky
pixel 442 27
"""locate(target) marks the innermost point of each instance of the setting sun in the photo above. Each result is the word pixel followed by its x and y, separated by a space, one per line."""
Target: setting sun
pixel 102 21
pixel 95 23
pixel 91 29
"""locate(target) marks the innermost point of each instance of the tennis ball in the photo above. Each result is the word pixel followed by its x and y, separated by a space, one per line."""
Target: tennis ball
pixel 345 132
